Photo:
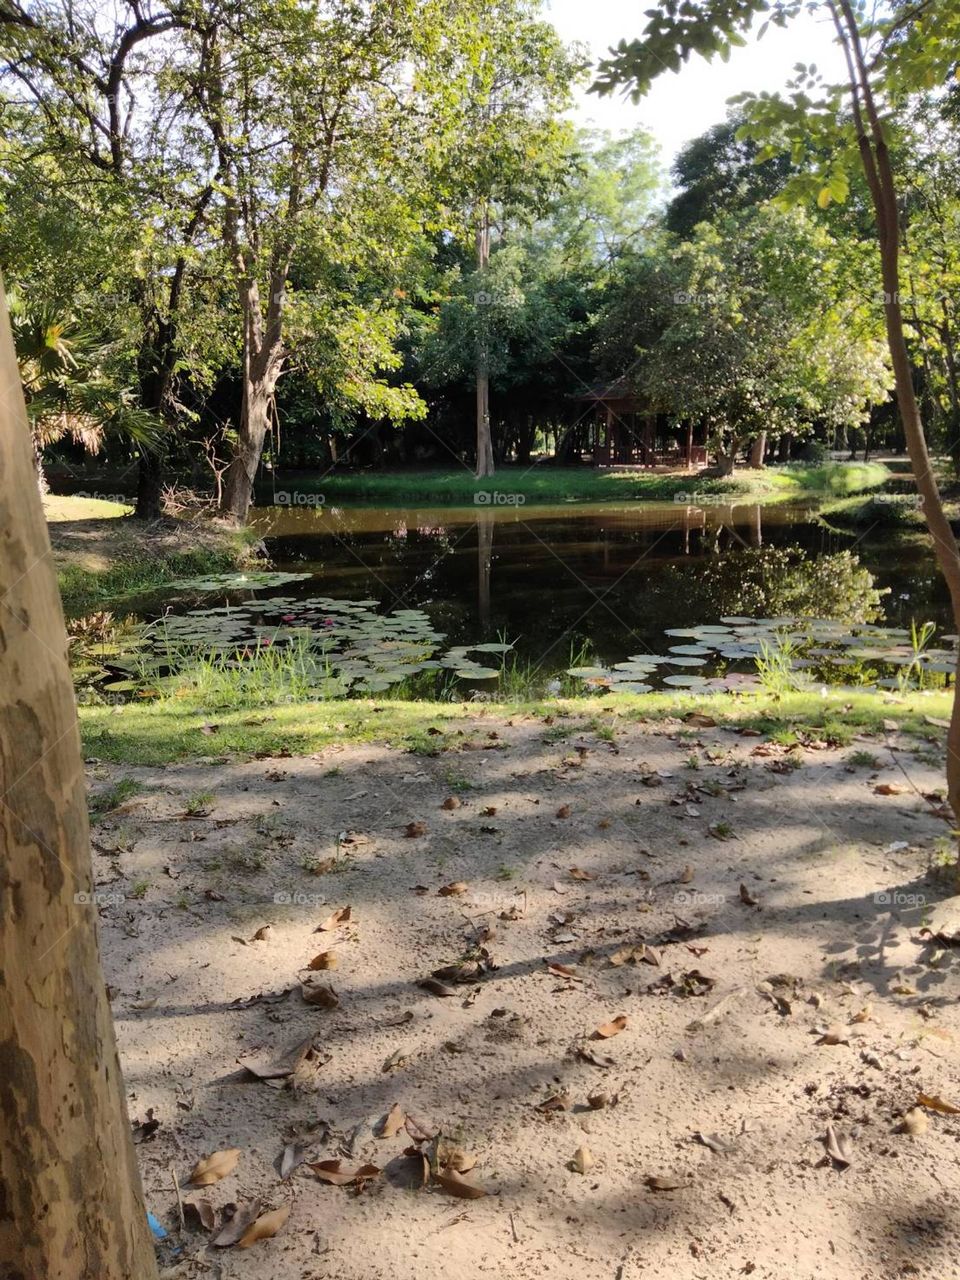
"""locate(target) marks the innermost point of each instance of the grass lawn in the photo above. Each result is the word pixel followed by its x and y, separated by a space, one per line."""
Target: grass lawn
pixel 158 733
pixel 579 484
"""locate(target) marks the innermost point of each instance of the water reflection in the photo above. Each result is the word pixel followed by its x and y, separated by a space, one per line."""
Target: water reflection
pixel 612 575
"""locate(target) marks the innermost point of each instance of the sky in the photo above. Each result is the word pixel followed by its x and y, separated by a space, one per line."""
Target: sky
pixel 681 106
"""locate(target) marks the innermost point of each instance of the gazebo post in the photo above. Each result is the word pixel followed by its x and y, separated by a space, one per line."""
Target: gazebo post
pixel 690 445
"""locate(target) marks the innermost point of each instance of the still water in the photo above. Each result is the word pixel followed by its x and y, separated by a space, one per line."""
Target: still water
pixel 553 578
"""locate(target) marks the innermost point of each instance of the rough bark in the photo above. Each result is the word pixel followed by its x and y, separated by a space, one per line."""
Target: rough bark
pixel 758 451
pixel 485 463
pixel 71 1207
pixel 878 170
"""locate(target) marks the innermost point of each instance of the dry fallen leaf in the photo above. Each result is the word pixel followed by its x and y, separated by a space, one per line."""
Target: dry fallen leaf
pixel 392 1122
pixel 455 1185
pixel 663 1182
pixel 235 1226
pixel 597 1101
pixel 340 916
pixel 747 898
pixel 838 1147
pixel 914 1122
pixel 451 802
pixel 889 789
pixel 210 1169
pixel 456 1158
pixel 612 1028
pixel 262 934
pixel 686 875
pixel 834 1034
pixel 453 890
pixel 324 960
pixel 582 1160
pixel 320 995
pixel 200 1213
pixel 556 1102
pixel 563 811
pixel 267 1225
pixel 863 1015
pixel 334 1172
pixel 435 987
pixel 578 873
pixel 936 1103
pixel 281 1066
pixel 414 829
pixel 417 1131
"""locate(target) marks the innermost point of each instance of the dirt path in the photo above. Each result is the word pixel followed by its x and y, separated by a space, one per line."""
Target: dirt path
pixel 812 942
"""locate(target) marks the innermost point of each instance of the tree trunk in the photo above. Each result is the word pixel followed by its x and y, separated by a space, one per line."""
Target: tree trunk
pixel 881 181
pixel 262 362
pixel 71 1207
pixel 485 464
pixel 758 451
pixel 727 459
pixel 149 486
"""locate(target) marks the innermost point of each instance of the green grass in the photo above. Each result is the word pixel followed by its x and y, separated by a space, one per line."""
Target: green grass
pixel 541 483
pixel 162 732
pixel 84 590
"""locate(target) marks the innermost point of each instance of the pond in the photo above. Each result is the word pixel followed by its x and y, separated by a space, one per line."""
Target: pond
pixel 592 588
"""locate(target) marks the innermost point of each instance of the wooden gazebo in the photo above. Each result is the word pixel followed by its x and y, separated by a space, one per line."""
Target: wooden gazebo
pixel 625 433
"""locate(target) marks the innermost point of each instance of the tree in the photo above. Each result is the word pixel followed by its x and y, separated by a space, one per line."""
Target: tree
pixel 828 129
pixel 501 77
pixel 69 1183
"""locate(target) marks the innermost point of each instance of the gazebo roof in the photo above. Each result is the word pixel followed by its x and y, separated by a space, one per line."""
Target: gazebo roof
pixel 615 395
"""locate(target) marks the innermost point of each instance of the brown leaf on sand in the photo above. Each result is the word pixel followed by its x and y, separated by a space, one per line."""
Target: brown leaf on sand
pixel 838 1147
pixel 262 934
pixel 417 1131
pixel 457 1159
pixel 582 1160
pixel 436 987
pixel 578 873
pixel 914 1122
pixel 663 1182
pixel 451 802
pixel 863 1015
pixel 612 1028
pixel 563 811
pixel 889 789
pixel 936 1103
pixel 340 916
pixel 453 890
pixel 834 1034
pixel 414 829
pixel 456 1185
pixel 324 960
pixel 210 1169
pixel 562 971
pixel 556 1102
pixel 199 1214
pixel 747 898
pixel 291 1158
pixel 686 875
pixel 319 994
pixel 279 1067
pixel 392 1122
pixel 235 1226
pixel 337 1175
pixel 699 720
pixel 490 811
pixel 267 1225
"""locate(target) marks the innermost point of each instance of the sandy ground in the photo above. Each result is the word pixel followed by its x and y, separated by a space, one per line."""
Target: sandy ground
pixel 722 1037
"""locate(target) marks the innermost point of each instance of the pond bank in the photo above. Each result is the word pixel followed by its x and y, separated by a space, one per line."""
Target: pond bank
pixel 104 558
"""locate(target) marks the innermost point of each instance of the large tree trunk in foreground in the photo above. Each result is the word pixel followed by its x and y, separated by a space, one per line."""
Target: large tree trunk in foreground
pixel 71 1207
